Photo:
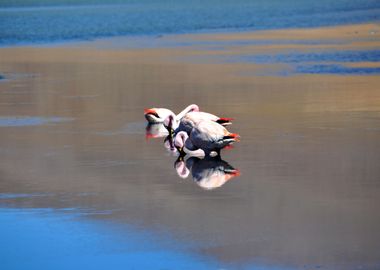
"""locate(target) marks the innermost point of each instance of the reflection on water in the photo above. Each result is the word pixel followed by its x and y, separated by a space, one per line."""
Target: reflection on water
pixel 208 173
pixel 156 131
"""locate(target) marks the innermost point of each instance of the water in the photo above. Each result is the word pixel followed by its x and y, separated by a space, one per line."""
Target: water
pixel 24 22
pixel 86 183
pixel 102 189
pixel 337 69
pixel 322 62
pixel 83 243
pixel 29 121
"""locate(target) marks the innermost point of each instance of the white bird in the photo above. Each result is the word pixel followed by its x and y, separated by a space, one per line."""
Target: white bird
pixel 205 138
pixel 158 115
pixel 193 118
pixel 190 119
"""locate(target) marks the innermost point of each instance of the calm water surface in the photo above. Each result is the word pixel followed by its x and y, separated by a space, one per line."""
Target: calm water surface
pixel 85 175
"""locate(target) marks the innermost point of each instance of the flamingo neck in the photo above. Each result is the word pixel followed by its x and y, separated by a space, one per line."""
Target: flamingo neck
pixel 195 153
pixel 190 108
pixel 169 122
pixel 180 139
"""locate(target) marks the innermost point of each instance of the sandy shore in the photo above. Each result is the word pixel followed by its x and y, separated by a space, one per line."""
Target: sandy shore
pixel 309 189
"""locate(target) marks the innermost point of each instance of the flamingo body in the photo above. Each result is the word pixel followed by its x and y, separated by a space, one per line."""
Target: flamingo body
pixel 207 136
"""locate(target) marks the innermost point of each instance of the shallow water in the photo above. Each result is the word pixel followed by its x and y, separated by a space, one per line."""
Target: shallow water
pixel 312 62
pixel 307 196
pixel 29 121
pixel 64 234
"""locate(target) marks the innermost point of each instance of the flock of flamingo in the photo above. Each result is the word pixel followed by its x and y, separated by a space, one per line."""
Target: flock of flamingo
pixel 198 135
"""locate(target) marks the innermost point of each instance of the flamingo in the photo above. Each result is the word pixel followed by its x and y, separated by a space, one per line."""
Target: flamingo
pixel 158 115
pixel 190 119
pixel 193 118
pixel 206 138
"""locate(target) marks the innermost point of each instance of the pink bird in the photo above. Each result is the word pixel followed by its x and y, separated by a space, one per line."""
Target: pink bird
pixel 191 119
pixel 158 115
pixel 206 138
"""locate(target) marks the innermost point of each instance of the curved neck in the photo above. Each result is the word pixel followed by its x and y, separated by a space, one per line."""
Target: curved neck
pixel 180 139
pixel 194 151
pixel 190 108
pixel 168 122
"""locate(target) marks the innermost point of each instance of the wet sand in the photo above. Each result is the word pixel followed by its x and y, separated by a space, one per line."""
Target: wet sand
pixel 309 189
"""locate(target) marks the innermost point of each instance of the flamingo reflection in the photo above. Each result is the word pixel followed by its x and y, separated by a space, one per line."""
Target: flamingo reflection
pixel 208 173
pixel 155 131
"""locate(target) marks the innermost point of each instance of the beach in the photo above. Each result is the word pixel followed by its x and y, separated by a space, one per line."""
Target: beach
pixel 306 103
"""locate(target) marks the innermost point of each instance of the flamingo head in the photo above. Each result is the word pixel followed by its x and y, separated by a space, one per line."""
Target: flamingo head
pixel 194 108
pixel 179 142
pixel 181 169
pixel 170 123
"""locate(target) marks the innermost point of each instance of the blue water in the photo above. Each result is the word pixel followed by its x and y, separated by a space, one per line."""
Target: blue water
pixel 41 21
pixel 315 62
pixel 48 239
pixel 17 121
pixel 336 69
pixel 62 242
pixel 348 56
